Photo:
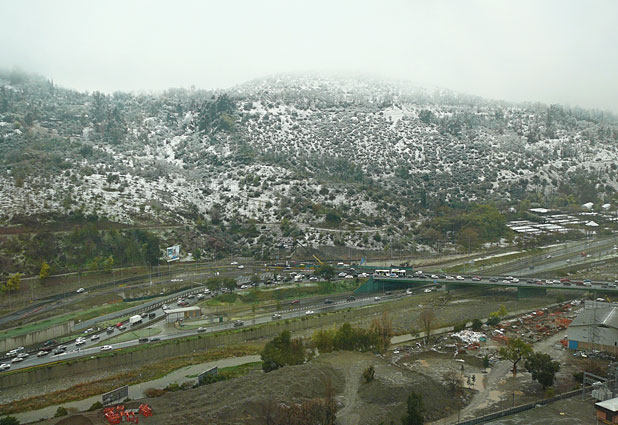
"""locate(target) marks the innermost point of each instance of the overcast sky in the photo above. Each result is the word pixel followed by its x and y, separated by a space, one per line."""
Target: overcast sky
pixel 551 51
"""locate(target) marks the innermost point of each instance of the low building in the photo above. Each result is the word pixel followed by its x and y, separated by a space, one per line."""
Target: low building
pixel 595 328
pixel 184 313
pixel 607 411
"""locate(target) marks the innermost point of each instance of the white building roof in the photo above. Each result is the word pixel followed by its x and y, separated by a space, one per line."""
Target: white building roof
pixel 611 404
pixel 182 310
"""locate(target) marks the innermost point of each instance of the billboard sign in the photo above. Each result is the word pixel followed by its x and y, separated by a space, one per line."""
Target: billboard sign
pixel 173 253
pixel 115 396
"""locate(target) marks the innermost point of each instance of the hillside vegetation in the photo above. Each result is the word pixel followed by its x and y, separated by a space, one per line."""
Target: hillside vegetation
pixel 294 157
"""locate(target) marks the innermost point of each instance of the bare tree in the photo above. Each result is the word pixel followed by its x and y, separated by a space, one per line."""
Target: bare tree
pixel 426 320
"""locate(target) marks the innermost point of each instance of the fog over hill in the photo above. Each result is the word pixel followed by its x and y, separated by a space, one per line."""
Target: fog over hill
pixel 315 151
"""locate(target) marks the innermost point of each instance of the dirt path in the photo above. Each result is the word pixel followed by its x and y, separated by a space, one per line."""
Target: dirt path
pixel 499 372
pixel 349 414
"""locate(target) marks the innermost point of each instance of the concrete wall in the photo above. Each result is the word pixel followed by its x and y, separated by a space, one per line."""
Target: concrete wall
pixel 36 337
pixel 177 348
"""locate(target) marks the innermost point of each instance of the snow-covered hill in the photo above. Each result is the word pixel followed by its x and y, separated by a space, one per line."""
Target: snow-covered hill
pixel 308 149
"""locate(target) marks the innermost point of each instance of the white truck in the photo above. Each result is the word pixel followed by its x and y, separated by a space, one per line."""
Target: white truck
pixel 134 320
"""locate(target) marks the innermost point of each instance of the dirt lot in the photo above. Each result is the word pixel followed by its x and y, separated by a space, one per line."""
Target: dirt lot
pixel 245 400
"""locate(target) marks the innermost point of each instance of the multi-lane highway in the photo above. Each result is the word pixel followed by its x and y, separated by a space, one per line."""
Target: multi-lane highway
pixel 294 310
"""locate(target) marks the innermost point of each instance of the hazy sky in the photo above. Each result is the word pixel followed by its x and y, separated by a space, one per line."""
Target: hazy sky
pixel 551 51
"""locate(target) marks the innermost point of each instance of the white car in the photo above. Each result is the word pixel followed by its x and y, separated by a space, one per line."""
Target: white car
pixel 42 353
pixel 427 290
pixel 94 337
pixel 234 263
pixel 17 360
pixel 515 280
pixel 459 278
pixel 349 276
pixel 244 287
pixel 308 312
pixel 5 366
pixel 409 291
pixel 106 348
pixel 80 290
pixel 376 298
pixel 434 276
pixel 23 355
pixel 449 278
pixel 200 296
pixel 343 274
pixel 240 266
pixel 207 291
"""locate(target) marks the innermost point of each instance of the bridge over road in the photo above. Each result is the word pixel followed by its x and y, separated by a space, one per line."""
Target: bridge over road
pixel 529 288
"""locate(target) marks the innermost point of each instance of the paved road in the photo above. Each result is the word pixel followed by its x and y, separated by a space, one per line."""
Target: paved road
pixel 90 347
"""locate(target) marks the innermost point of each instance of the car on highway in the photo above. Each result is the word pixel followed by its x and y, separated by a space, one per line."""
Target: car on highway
pixel 376 298
pixel 5 366
pixel 23 355
pixel 434 276
pixel 60 349
pixel 328 301
pixel 515 280
pixel 276 316
pixel 308 312
pixel 201 330
pixel 156 338
pixel 122 327
pixel 427 290
pixel 448 277
pixel 240 266
pixel 234 263
pixel 110 329
pixel 152 315
pixel 190 296
pixel 106 348
pixel 493 279
pixel 351 298
pixel 42 353
pixel 94 337
pixel 165 307
pixel 459 278
pixel 207 291
pixel 409 291
pixel 342 274
pixel 200 296
pixel 80 290
pixel 80 341
pixel 238 323
pixel 244 286
pixel 17 360
pixel 295 302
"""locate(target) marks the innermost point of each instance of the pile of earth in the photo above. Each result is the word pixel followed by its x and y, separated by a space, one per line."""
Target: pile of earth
pixel 245 400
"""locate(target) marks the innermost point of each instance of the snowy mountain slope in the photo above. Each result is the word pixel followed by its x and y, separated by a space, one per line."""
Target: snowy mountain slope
pixel 297 147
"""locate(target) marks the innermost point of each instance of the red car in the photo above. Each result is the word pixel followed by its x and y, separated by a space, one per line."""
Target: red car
pixel 295 302
pixel 118 324
pixel 565 280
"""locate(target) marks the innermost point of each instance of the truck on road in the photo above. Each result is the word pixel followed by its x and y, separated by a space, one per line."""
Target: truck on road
pixel 134 320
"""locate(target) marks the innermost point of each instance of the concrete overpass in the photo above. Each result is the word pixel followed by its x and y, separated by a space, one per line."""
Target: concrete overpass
pixel 524 288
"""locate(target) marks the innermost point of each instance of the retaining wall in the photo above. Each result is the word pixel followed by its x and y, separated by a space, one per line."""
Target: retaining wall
pixel 164 350
pixel 36 337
